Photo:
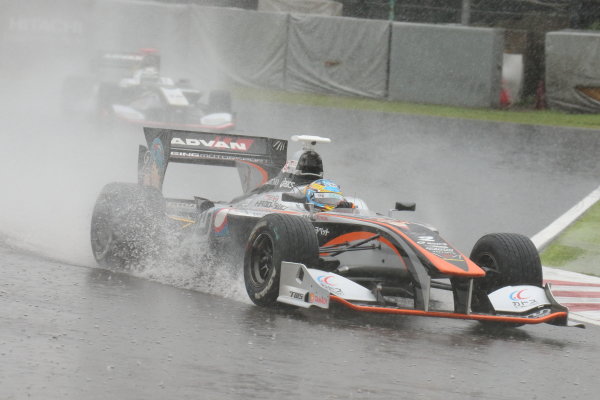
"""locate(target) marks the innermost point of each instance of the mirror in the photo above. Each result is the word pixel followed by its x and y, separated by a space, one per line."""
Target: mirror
pixel 293 198
pixel 405 206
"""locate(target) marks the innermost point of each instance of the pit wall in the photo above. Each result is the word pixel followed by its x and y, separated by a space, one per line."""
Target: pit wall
pixel 216 46
pixel 572 71
pixel 337 55
pixel 449 65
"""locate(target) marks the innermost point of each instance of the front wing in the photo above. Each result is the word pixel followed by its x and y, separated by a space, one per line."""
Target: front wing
pixel 305 287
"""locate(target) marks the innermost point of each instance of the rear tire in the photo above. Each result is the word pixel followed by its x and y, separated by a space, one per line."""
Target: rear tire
pixel 276 238
pixel 508 259
pixel 127 225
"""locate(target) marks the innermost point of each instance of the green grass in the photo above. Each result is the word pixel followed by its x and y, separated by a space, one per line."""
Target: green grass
pixel 558 255
pixel 577 248
pixel 519 115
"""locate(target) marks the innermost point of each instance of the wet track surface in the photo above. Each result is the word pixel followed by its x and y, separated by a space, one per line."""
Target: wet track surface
pixel 69 330
pixel 77 332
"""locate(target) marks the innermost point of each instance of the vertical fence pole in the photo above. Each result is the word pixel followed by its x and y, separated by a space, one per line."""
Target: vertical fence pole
pixel 465 16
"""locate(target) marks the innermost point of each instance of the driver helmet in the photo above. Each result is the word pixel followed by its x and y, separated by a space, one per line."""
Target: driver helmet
pixel 148 75
pixel 150 58
pixel 310 164
pixel 324 194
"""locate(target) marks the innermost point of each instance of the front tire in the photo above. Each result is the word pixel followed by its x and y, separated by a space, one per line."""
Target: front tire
pixel 508 259
pixel 276 238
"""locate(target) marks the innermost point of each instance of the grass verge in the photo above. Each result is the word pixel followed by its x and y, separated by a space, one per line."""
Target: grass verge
pixel 577 248
pixel 519 115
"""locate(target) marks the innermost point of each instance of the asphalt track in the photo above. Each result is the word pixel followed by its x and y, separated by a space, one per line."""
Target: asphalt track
pixel 80 332
pixel 70 330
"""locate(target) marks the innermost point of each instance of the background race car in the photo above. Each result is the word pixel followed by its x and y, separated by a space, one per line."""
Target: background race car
pixel 128 87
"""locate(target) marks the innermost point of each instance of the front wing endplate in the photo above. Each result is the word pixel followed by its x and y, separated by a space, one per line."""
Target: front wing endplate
pixel 298 288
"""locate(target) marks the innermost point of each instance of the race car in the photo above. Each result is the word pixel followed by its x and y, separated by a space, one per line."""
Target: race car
pixel 128 87
pixel 301 242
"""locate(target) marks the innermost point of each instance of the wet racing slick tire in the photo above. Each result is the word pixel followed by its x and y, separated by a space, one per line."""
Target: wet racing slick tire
pixel 127 225
pixel 508 259
pixel 276 238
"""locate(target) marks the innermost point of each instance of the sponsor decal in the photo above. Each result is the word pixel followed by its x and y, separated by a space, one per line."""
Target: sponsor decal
pixel 328 282
pixel 217 143
pixel 158 153
pixel 279 145
pixel 270 202
pixel 287 183
pixel 150 174
pixel 313 298
pixel 440 249
pixel 213 156
pixel 321 231
pixel 289 166
pixel 221 225
pixel 518 295
pixel 520 299
pixel 296 295
pixel 154 163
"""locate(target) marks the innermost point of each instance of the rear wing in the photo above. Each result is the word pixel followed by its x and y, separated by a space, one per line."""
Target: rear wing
pixel 121 64
pixel 257 159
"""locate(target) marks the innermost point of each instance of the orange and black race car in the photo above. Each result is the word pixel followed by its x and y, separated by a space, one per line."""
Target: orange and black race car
pixel 304 244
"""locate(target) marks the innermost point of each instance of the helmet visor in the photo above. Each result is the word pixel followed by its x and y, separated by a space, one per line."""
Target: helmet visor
pixel 328 199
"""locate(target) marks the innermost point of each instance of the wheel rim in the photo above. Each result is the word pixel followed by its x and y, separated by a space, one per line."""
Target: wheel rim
pixel 262 259
pixel 488 262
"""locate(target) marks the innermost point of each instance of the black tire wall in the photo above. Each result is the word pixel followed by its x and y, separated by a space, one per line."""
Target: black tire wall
pixel 292 239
